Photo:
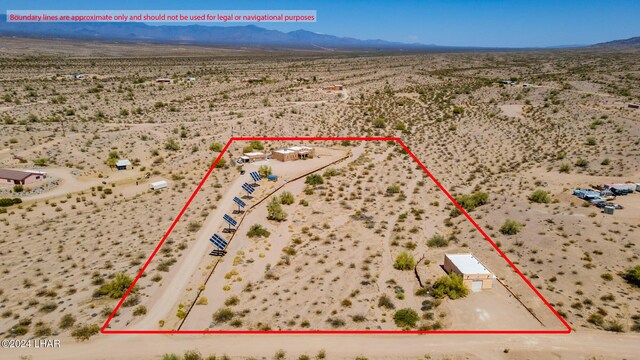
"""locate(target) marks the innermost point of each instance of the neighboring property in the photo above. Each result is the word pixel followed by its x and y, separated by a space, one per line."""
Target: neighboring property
pixel 78 76
pixel 475 275
pixel 163 80
pixel 21 177
pixel 253 156
pixel 634 106
pixel 122 164
pixel 158 185
pixel 293 153
pixel 190 78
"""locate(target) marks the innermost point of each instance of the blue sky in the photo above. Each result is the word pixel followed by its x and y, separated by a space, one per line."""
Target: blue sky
pixel 515 23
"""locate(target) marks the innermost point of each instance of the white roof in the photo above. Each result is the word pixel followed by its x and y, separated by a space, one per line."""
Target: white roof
pixel 161 182
pixel 123 162
pixel 298 148
pixel 283 151
pixel 468 264
pixel 256 153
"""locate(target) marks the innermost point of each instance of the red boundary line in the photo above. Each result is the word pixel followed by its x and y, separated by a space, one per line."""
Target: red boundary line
pixel 104 329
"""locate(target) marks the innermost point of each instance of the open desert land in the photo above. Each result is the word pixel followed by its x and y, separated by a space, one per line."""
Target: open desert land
pixel 510 155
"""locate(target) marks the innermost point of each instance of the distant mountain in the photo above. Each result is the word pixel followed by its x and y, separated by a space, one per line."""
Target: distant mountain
pixel 237 36
pixel 633 42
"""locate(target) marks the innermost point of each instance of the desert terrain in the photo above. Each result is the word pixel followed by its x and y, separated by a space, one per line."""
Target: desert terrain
pixel 73 244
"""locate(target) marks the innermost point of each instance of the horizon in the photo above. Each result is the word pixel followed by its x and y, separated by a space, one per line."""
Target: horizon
pixel 491 24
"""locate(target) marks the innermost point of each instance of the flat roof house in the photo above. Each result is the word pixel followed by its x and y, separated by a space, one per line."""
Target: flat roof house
pixel 21 177
pixel 122 164
pixel 293 153
pixel 475 275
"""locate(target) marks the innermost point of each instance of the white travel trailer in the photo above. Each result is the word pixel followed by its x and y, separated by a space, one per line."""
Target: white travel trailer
pixel 158 185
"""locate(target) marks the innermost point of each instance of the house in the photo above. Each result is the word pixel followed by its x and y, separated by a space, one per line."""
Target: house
pixel 163 81
pixel 19 177
pixel 253 156
pixel 284 155
pixel 122 164
pixel 475 275
pixel 293 153
pixel 634 106
pixel 191 78
pixel 78 76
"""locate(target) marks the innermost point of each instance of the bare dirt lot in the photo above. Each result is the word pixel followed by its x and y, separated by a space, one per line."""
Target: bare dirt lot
pixel 68 254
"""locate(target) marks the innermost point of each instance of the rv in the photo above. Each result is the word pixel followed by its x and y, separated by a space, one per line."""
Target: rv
pixel 158 185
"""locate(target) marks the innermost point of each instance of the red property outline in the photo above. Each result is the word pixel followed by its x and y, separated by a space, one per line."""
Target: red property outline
pixel 104 329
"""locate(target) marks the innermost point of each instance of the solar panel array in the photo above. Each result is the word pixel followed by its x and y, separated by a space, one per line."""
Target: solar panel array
pixel 248 188
pixel 230 220
pixel 219 242
pixel 239 202
pixel 255 176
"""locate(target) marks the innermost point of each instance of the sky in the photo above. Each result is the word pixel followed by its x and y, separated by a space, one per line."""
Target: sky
pixel 486 23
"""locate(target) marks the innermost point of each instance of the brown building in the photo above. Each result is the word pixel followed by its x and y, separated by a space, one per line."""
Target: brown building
pixel 21 177
pixel 336 87
pixel 293 153
pixel 475 275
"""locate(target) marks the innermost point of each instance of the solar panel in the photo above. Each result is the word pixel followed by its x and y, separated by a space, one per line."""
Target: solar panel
pixel 255 176
pixel 219 242
pixel 247 188
pixel 239 202
pixel 230 220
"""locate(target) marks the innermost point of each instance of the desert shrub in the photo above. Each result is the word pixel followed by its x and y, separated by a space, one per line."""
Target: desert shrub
pixel 470 201
pixel 67 321
pixel 170 357
pixel 406 318
pixel 256 145
pixel 510 227
pixel 192 355
pixel 393 189
pixel 223 315
pixel 615 326
pixel 140 310
pixel 194 226
pixel 378 123
pixel 275 212
pixel 4 202
pixel 314 180
pixel 231 301
pixel 84 332
pixel 217 147
pixel 404 261
pixel 257 230
pixel 171 144
pixel 385 302
pixel 286 198
pixel 222 163
pixel 632 275
pixel 116 288
pixel 582 163
pixel 336 322
pixel 565 168
pixel 450 286
pixel 591 141
pixel 18 188
pixel 437 240
pixel 41 162
pixel 330 172
pixel 264 171
pixel 540 197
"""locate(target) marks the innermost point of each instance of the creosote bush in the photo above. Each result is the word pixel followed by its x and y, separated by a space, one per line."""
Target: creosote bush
pixel 404 261
pixel 510 227
pixel 450 286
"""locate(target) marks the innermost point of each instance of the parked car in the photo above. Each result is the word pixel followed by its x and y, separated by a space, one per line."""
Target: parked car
pixel 603 204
